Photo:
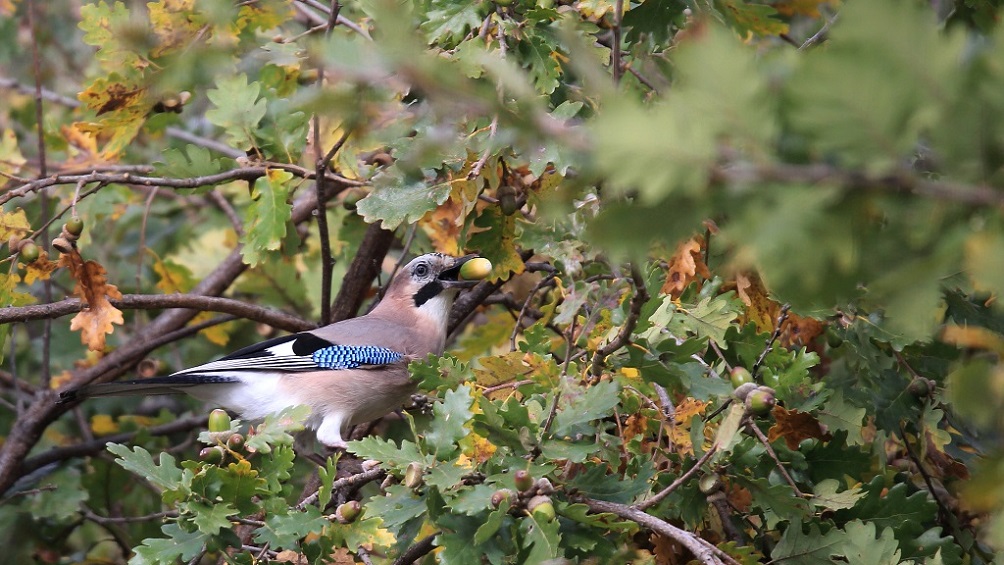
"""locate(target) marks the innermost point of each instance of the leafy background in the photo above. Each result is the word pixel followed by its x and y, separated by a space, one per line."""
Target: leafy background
pixel 668 190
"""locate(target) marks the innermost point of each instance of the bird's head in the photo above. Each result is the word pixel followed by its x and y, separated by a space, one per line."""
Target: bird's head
pixel 429 283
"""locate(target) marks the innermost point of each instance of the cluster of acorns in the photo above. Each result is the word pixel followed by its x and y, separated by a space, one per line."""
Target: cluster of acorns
pixel 758 399
pixel 28 251
pixel 225 439
pixel 530 495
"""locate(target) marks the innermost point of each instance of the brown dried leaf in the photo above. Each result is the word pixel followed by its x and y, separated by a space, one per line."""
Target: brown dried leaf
pixel 764 312
pixel 685 266
pixel 99 317
pixel 443 226
pixel 808 8
pixel 794 426
pixel 668 551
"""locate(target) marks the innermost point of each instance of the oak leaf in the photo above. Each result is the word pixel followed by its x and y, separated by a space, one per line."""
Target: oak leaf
pixel 764 312
pixel 40 269
pixel 685 266
pixel 98 318
pixel 794 426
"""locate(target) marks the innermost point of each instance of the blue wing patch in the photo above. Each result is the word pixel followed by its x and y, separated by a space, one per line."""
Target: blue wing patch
pixel 354 356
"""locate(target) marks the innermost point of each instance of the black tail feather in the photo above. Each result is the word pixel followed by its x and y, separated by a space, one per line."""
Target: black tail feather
pixel 174 384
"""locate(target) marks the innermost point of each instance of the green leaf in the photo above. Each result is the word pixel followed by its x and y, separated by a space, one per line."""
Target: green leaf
pixel 277 429
pixel 542 64
pixel 268 214
pixel 180 544
pixel 862 547
pixel 728 432
pixel 812 548
pixel 837 414
pixel 662 150
pixel 286 530
pixel 210 519
pixel 326 476
pixel 396 199
pixel 194 161
pixel 388 453
pixel 455 538
pixel 654 18
pixel 276 467
pixel 497 243
pixel 240 485
pixel 580 406
pixel 599 482
pixel 491 525
pixel 61 496
pixel 825 495
pixel 237 109
pixel 778 501
pixel 748 18
pixel 448 22
pixel 542 538
pixel 399 506
pixel 449 422
pixel 166 475
pixel 103 26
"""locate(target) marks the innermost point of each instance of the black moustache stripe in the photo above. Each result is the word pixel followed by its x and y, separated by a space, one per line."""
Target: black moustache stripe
pixel 427 293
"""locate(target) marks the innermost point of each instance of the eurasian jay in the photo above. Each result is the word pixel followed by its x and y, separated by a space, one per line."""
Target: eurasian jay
pixel 348 372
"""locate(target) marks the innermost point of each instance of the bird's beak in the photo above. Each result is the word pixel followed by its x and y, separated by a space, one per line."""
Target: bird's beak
pixel 450 278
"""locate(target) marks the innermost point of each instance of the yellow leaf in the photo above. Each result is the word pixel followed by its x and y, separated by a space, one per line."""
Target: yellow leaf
pixel 218 334
pixel 11 159
pixel 57 381
pixel 13 223
pixel 175 23
pixel 173 278
pixel 972 337
pixel 40 269
pixel 630 372
pixel 103 424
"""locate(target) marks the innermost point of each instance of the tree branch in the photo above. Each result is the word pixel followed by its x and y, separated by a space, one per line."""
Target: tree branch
pixel 238 308
pixel 624 336
pixel 418 550
pixel 98 445
pixel 249 174
pixel 363 269
pixel 702 550
pixel 902 182
pixel 657 498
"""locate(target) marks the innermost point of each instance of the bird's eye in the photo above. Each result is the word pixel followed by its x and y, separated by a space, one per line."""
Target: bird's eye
pixel 421 270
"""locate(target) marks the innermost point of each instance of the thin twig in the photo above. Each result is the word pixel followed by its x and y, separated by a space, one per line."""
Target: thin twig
pixel 98 445
pixel 350 481
pixel 658 497
pixel 943 508
pixel 819 35
pixel 773 455
pixel 548 280
pixel 615 57
pixel 43 170
pixel 624 336
pixel 105 520
pixel 417 550
pixel 569 344
pixel 769 346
